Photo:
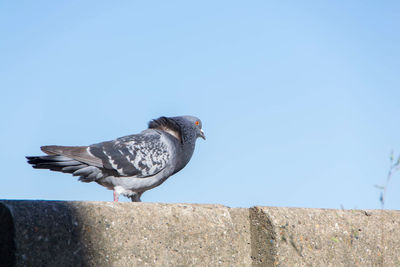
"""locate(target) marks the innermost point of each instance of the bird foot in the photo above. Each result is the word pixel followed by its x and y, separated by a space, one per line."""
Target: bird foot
pixel 116 196
pixel 136 197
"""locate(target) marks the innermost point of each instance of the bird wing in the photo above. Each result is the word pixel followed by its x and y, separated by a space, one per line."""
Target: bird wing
pixel 139 155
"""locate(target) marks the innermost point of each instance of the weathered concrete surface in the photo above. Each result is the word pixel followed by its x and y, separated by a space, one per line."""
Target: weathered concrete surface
pixel 321 237
pixel 56 233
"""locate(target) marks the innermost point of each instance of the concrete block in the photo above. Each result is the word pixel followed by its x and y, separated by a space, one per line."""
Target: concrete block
pixel 55 233
pixel 323 237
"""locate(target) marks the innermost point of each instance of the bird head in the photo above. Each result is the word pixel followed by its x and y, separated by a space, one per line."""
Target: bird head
pixel 182 127
pixel 195 124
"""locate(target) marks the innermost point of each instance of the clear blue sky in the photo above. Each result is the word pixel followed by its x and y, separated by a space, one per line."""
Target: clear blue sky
pixel 299 99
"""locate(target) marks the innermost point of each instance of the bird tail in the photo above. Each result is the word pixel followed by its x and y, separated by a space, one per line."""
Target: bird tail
pixel 67 165
pixel 55 163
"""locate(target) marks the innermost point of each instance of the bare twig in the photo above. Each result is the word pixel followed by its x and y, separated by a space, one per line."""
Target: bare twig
pixel 394 167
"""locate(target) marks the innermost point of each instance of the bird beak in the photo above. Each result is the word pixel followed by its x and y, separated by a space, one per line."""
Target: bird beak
pixel 202 134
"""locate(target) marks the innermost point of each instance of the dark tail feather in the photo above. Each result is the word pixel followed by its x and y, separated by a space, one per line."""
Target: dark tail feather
pixel 65 164
pixel 55 163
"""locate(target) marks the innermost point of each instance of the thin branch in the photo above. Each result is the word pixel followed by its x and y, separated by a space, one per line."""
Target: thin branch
pixel 394 167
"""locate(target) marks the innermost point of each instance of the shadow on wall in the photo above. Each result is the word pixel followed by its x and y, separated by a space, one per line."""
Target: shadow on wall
pixel 56 243
pixel 7 245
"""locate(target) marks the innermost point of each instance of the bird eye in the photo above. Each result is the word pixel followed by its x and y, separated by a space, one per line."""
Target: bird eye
pixel 197 123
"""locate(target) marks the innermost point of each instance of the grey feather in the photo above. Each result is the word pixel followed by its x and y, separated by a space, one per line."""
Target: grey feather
pixel 86 171
pixel 71 169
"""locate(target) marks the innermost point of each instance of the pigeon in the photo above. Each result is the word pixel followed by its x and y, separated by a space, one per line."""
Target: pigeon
pixel 129 165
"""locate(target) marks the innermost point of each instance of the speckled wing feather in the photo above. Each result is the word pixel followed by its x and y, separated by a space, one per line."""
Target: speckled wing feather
pixel 140 155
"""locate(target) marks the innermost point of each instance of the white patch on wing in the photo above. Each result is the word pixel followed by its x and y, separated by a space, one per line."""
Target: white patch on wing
pixel 138 158
pixel 112 162
pixel 146 157
pixel 88 151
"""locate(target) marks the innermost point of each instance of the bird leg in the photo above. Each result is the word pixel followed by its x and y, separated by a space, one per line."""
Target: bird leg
pixel 136 197
pixel 116 196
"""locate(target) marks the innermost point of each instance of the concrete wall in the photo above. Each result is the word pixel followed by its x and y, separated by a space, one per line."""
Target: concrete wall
pixel 56 233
